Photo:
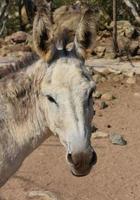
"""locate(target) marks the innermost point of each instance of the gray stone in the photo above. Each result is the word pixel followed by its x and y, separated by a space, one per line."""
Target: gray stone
pixel 117 139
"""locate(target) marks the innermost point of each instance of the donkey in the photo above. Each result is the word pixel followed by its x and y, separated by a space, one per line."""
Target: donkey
pixel 54 96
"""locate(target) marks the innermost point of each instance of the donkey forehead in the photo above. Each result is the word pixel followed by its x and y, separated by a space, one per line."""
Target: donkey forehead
pixel 69 73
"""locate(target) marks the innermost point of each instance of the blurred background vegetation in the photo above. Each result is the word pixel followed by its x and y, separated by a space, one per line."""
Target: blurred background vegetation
pixel 13 17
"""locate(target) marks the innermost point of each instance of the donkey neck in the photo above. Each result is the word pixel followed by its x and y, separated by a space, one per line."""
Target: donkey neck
pixel 24 109
pixel 23 126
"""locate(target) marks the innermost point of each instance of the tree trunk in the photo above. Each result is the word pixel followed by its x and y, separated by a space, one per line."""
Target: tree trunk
pixel 133 10
pixel 115 44
pixel 4 7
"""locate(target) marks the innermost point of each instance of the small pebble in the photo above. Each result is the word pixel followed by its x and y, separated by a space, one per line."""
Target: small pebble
pixel 130 73
pixel 131 80
pixel 99 134
pixel 42 195
pixel 103 105
pixel 117 139
pixel 137 94
pixel 100 114
pixel 116 79
pixel 103 79
pixel 97 78
pixel 107 96
pixel 97 95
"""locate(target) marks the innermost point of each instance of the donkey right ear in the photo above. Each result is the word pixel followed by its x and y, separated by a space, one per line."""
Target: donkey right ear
pixel 42 34
pixel 85 34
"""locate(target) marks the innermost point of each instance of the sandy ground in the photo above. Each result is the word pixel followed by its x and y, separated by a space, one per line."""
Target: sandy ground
pixel 116 176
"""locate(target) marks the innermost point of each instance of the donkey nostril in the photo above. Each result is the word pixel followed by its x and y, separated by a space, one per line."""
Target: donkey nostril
pixel 69 157
pixel 75 160
pixel 93 159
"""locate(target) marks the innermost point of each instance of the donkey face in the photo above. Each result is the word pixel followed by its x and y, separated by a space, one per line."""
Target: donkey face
pixel 67 92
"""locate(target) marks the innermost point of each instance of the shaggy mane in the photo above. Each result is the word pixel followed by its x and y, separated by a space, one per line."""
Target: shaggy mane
pixel 26 61
pixel 21 89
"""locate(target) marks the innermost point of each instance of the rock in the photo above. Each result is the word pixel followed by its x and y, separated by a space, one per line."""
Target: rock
pixel 117 139
pixel 134 46
pixel 109 54
pixel 101 69
pixel 137 94
pixel 125 28
pixel 100 51
pixel 97 78
pixel 2 42
pixel 131 80
pixel 99 134
pixel 19 47
pixel 103 105
pixel 42 195
pixel 105 72
pixel 129 73
pixel 97 95
pixel 110 77
pixel 17 37
pixel 124 45
pixel 116 79
pixel 115 71
pixel 103 79
pixel 3 52
pixel 107 96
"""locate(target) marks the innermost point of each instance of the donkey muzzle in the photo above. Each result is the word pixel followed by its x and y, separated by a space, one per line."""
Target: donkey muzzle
pixel 81 163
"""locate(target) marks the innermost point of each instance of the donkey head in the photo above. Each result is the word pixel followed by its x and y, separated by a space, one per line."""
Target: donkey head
pixel 67 87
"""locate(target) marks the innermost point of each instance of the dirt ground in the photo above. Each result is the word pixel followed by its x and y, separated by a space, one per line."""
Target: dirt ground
pixel 116 176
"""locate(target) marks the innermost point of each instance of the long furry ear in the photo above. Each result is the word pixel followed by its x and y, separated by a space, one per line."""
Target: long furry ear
pixel 85 34
pixel 42 33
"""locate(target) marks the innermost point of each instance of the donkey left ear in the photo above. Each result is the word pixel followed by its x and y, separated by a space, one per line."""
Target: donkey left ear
pixel 42 33
pixel 85 34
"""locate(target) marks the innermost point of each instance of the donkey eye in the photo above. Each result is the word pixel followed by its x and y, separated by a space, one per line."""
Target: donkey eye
pixel 51 99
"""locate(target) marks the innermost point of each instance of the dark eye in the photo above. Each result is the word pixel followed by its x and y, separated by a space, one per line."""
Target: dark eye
pixel 51 99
